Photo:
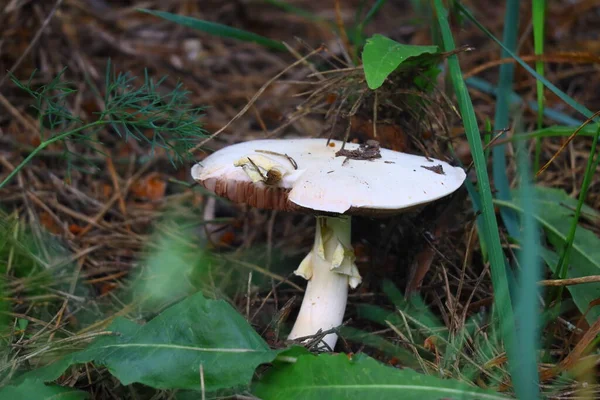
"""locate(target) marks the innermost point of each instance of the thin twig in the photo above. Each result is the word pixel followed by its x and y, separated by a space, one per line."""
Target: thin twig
pixel 570 281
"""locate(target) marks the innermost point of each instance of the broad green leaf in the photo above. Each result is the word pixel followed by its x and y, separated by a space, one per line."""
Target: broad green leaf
pixel 382 56
pixel 562 203
pixel 555 218
pixel 584 261
pixel 36 390
pixel 217 29
pixel 168 351
pixel 334 377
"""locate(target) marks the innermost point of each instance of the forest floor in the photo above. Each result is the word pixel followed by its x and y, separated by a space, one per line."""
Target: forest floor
pixel 105 203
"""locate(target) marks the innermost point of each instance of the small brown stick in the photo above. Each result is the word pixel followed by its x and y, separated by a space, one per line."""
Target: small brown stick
pixel 115 180
pixel 570 281
pixel 290 159
pixel 375 105
pixel 494 139
pixel 264 178
pixel 261 122
pixel 571 58
pixel 106 278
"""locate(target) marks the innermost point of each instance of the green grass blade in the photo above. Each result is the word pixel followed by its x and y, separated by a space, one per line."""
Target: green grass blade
pixel 217 29
pixel 539 20
pixel 490 226
pixel 501 119
pixel 555 131
pixel 527 305
pixel 562 95
pixel 372 12
pixel 358 31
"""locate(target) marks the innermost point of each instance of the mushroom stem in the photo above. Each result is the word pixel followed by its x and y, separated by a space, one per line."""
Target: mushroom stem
pixel 329 269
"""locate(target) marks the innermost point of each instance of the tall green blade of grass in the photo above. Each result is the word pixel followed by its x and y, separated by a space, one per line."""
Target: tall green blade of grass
pixel 217 29
pixel 490 226
pixel 539 15
pixel 562 95
pixel 501 119
pixel 527 305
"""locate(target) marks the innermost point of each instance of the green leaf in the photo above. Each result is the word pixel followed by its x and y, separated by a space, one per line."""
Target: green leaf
pixel 382 56
pixel 30 390
pixel 333 377
pixel 22 323
pixel 585 254
pixel 560 201
pixel 168 351
pixel 217 29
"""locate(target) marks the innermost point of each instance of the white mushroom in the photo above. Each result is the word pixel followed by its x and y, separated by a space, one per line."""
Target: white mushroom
pixel 306 175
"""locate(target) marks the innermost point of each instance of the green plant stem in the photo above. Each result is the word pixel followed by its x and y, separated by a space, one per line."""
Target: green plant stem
pixel 47 143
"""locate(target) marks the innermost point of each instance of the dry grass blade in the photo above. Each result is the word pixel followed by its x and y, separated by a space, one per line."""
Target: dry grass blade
pixel 566 143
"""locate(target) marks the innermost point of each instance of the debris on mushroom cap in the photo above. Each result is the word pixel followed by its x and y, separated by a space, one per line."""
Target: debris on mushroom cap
pixel 326 183
pixel 263 168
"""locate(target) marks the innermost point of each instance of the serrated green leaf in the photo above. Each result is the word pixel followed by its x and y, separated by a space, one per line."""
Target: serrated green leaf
pixel 30 390
pixel 382 56
pixel 334 377
pixel 168 351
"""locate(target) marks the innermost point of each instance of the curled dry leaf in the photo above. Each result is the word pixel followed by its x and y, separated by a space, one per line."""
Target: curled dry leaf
pixel 152 187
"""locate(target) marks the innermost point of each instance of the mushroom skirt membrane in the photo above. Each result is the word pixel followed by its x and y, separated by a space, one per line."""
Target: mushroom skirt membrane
pixel 314 176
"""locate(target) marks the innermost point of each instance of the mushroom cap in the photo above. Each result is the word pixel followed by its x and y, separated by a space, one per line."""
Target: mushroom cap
pixel 324 183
